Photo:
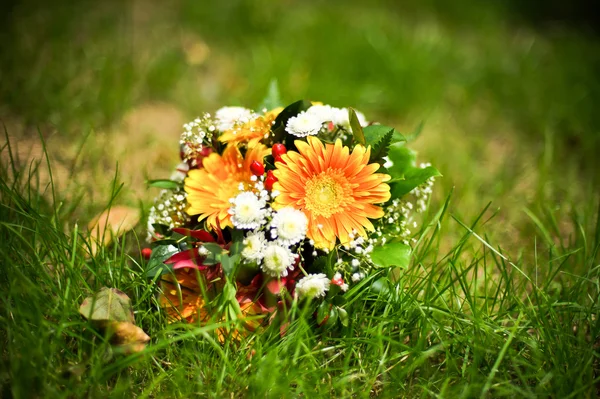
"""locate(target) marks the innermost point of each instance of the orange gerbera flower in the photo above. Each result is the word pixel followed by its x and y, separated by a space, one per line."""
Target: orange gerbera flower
pixel 210 188
pixel 336 189
pixel 252 131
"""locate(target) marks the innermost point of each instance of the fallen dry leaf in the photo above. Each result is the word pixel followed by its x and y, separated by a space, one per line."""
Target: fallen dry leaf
pixel 126 337
pixel 112 223
pixel 108 304
pixel 111 312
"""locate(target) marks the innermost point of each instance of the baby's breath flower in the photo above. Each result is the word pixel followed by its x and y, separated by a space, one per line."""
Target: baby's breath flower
pixel 168 210
pixel 313 286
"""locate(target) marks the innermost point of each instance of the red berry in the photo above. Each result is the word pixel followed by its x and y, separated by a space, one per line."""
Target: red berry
pixel 278 149
pixel 277 158
pixel 330 126
pixel 270 180
pixel 257 168
pixel 206 151
pixel 146 253
pixel 337 281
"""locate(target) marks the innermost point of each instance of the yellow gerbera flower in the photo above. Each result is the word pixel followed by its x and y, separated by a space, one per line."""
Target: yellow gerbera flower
pixel 336 189
pixel 210 188
pixel 252 131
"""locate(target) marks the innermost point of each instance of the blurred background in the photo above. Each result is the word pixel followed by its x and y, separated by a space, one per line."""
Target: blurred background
pixel 503 95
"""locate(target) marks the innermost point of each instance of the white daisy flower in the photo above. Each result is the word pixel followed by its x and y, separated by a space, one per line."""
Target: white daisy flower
pixel 304 124
pixel 228 117
pixel 289 226
pixel 313 286
pixel 254 246
pixel 247 211
pixel 341 117
pixel 277 260
pixel 324 113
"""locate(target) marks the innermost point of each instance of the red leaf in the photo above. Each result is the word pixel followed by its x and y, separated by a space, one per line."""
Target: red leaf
pixel 201 235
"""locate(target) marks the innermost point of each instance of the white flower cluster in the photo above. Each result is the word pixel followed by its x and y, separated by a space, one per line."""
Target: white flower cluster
pixel 423 192
pixel 398 219
pixel 311 121
pixel 250 210
pixel 313 286
pixel 229 117
pixel 196 135
pixel 356 262
pixel 169 210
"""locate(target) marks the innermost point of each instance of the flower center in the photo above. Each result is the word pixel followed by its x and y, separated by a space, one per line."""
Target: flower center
pixel 326 193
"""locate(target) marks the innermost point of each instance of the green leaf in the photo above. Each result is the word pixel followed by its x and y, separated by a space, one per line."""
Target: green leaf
pixel 228 263
pixel 374 133
pixel 381 148
pixel 246 272
pixel 237 242
pixel 343 316
pixel 156 265
pixel 412 178
pixel 272 100
pixel 381 286
pixel 357 130
pixel 215 252
pixel 108 304
pixel 162 229
pixel 391 254
pixel 333 317
pixel 164 183
pixel 323 312
pixel 403 160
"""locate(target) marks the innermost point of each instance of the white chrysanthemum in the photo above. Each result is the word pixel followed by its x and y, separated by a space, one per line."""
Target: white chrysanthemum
pixel 304 124
pixel 324 113
pixel 341 117
pixel 247 211
pixel 289 226
pixel 228 117
pixel 313 286
pixel 254 246
pixel 277 260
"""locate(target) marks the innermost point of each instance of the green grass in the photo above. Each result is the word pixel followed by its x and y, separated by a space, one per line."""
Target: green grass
pixel 464 322
pixel 501 299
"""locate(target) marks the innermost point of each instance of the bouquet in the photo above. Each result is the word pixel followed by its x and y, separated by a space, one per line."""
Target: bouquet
pixel 287 206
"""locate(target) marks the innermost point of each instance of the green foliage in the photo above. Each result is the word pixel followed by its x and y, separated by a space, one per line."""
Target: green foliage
pixel 164 184
pixel 391 254
pixel 156 265
pixel 273 98
pixel 380 149
pixel 357 130
pixel 404 171
pixel 375 133
pixel 465 318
